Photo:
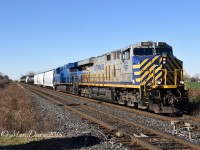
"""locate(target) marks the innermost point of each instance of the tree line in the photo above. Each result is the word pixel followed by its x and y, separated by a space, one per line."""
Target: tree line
pixel 194 78
pixel 4 79
pixel 2 76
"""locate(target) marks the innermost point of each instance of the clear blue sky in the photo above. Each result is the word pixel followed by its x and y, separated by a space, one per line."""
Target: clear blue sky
pixel 38 35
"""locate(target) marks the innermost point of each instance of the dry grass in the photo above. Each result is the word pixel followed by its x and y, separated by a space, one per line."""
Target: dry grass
pixel 194 103
pixel 17 112
pixel 18 115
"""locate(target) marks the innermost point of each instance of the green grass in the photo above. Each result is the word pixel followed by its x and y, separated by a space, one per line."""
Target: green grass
pixel 5 141
pixel 194 85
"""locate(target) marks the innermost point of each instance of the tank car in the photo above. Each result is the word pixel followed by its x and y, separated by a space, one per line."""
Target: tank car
pixel 23 79
pixel 30 80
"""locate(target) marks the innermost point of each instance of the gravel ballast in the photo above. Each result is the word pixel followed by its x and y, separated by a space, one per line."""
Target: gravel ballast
pixel 75 132
pixel 147 121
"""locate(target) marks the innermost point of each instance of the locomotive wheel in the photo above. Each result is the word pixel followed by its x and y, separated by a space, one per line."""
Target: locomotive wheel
pixel 130 103
pixel 121 102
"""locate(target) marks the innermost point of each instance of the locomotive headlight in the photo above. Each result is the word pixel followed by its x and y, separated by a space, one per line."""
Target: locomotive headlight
pixel 158 82
pixel 164 60
pixel 182 82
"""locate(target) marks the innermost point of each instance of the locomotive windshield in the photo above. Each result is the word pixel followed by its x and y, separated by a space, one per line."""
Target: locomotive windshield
pixel 143 51
pixel 166 51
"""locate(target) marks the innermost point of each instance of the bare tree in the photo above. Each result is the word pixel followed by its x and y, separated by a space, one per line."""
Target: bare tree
pixel 30 73
pixel 190 78
pixel 1 75
pixel 6 77
pixel 195 78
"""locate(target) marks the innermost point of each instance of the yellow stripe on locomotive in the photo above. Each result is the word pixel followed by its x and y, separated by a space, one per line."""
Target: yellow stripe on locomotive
pixel 158 70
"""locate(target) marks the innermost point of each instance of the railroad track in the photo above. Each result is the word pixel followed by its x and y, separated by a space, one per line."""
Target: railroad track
pixel 171 119
pixel 185 118
pixel 127 131
pixel 190 123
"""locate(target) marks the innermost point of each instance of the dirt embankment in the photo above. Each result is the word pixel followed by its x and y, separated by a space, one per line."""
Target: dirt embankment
pixel 194 93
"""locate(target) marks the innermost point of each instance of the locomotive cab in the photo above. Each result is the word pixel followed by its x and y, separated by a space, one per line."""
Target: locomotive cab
pixel 160 77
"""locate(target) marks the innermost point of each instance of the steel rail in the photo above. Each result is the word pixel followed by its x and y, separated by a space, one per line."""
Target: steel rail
pixel 163 134
pixel 150 129
pixel 101 123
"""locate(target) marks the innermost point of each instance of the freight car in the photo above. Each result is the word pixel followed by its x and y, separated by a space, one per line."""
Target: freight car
pixel 143 75
pixel 27 79
pixel 23 79
pixel 39 79
pixel 30 80
pixel 44 79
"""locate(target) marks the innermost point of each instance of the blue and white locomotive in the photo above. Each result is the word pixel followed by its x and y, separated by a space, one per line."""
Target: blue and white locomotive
pixel 144 75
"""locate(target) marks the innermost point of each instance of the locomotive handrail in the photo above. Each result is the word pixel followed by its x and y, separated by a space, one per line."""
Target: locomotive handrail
pixel 175 76
pixel 164 77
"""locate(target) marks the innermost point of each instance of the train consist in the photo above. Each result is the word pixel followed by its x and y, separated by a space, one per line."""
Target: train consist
pixel 143 75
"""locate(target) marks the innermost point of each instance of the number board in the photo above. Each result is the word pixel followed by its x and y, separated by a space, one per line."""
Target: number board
pixel 146 44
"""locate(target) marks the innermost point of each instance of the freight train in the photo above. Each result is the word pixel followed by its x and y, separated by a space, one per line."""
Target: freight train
pixel 145 75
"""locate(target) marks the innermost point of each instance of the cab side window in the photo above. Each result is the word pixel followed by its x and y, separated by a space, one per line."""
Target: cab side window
pixel 116 55
pixel 126 54
pixel 109 57
pixel 58 70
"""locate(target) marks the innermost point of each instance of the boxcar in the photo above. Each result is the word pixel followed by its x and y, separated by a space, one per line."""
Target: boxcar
pixel 40 79
pixel 48 78
pixel 36 79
